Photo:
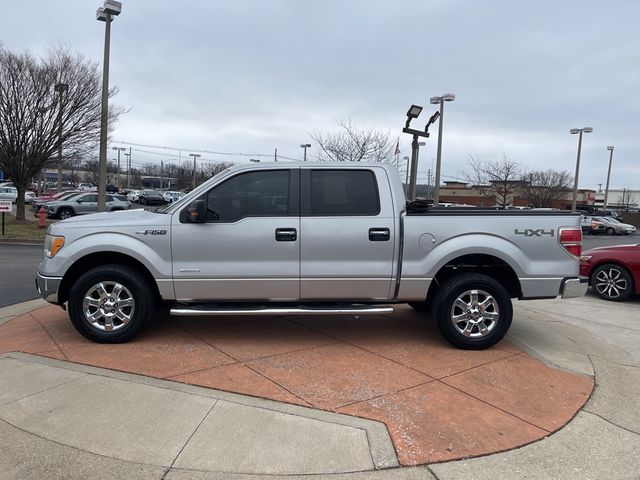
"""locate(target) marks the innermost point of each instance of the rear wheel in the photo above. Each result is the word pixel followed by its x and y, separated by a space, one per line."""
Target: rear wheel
pixel 473 311
pixel 610 231
pixel 612 282
pixel 110 303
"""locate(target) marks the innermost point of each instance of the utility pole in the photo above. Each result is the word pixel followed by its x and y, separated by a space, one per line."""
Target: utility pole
pixel 429 183
pixel 275 159
pixel 60 88
pixel 194 155
pixel 128 155
pixel 161 173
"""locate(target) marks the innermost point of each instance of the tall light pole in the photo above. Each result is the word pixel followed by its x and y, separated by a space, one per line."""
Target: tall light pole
pixel 573 131
pixel 119 149
pixel 414 112
pixel 194 155
pixel 105 14
pixel 606 190
pixel 305 146
pixel 447 97
pixel 128 155
pixel 60 88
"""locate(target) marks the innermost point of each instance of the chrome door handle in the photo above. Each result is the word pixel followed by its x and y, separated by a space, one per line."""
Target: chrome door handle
pixel 379 234
pixel 286 234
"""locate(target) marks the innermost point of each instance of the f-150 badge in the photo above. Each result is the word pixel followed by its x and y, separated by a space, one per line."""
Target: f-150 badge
pixel 529 232
pixel 151 232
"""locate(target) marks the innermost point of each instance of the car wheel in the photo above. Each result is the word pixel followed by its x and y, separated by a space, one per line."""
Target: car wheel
pixel 424 307
pixel 610 231
pixel 110 303
pixel 612 282
pixel 65 213
pixel 473 311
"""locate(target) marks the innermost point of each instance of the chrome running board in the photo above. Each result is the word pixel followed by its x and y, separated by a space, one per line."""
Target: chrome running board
pixel 204 310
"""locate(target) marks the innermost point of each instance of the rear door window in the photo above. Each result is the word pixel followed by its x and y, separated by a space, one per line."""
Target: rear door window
pixel 344 192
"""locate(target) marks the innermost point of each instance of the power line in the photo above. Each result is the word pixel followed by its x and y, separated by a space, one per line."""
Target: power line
pixel 213 152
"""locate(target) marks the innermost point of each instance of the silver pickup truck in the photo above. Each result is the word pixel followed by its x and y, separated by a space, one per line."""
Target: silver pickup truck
pixel 285 238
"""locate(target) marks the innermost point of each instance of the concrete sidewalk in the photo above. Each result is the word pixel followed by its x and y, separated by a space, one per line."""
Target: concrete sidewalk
pixel 53 416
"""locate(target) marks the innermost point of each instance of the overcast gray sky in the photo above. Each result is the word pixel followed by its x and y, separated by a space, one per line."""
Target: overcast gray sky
pixel 246 76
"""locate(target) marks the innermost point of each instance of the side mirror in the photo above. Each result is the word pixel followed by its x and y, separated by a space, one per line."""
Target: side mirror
pixel 196 212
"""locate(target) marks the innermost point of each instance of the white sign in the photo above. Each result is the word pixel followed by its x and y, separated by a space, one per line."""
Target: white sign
pixel 5 206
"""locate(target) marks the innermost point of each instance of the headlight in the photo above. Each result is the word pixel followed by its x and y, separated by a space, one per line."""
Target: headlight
pixel 52 245
pixel 585 258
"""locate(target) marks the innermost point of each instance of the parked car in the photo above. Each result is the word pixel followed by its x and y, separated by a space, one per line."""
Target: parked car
pixel 613 271
pixel 611 226
pixel 134 196
pixel 86 187
pixel 609 213
pixel 9 193
pixel 38 202
pixel 171 196
pixel 151 197
pixel 111 189
pixel 29 196
pixel 295 238
pixel 83 204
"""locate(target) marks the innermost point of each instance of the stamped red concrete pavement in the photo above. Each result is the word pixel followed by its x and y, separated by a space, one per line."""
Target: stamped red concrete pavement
pixel 439 403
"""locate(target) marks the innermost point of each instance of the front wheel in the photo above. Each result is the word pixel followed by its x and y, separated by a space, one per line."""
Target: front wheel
pixel 610 231
pixel 473 311
pixel 110 303
pixel 65 213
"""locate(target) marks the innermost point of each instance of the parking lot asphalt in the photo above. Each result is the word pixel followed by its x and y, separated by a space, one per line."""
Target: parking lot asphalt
pixel 18 265
pixel 338 399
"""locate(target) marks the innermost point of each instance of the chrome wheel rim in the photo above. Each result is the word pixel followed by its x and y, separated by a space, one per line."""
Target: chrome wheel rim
pixel 610 282
pixel 65 214
pixel 108 306
pixel 475 313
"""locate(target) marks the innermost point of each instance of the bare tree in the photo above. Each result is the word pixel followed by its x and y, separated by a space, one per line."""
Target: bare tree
pixel 209 169
pixel 354 144
pixel 626 199
pixel 498 181
pixel 31 112
pixel 542 188
pixel 92 169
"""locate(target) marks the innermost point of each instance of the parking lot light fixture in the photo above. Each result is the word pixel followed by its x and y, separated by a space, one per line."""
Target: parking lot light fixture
pixel 119 149
pixel 105 14
pixel 305 146
pixel 606 190
pixel 579 131
pixel 447 97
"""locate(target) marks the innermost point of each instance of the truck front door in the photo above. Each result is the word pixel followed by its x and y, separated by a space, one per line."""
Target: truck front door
pixel 248 248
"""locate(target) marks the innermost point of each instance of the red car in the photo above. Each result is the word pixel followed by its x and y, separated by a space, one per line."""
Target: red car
pixel 614 272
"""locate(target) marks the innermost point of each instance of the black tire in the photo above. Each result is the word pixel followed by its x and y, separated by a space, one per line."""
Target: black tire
pixel 612 282
pixel 65 213
pixel 134 286
pixel 423 307
pixel 491 299
pixel 610 231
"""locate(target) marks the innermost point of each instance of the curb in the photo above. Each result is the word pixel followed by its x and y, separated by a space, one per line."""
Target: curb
pixel 17 309
pixel 11 241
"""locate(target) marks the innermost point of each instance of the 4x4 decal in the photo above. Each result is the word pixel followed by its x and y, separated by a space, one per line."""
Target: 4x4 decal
pixel 529 232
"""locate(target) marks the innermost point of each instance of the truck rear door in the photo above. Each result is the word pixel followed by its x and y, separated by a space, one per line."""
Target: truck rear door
pixel 347 234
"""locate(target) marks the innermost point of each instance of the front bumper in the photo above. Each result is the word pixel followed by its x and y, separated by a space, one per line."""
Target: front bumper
pixel 574 287
pixel 48 287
